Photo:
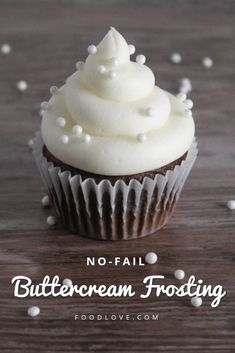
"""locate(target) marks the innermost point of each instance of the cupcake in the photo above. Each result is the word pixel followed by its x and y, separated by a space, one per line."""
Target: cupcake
pixel 114 149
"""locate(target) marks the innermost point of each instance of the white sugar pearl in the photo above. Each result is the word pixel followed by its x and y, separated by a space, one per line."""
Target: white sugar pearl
pixel 141 137
pixel 185 89
pixel 151 258
pixel 61 121
pixel 79 65
pixel 176 58
pixel 45 105
pixel 67 282
pixel 45 201
pixel 86 138
pixel 92 49
pixel 64 139
pixel 112 74
pixel 53 90
pixel 30 143
pixel 5 49
pixel 33 311
pixel 131 49
pixel 41 112
pixel 179 274
pixel 101 69
pixel 207 62
pixel 22 85
pixel 140 59
pixel 51 220
pixel 181 96
pixel 189 103
pixel 77 130
pixel 188 113
pixel 150 111
pixel 185 81
pixel 231 205
pixel 114 61
pixel 196 301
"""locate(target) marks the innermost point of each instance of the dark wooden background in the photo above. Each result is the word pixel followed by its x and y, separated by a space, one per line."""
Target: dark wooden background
pixel 47 38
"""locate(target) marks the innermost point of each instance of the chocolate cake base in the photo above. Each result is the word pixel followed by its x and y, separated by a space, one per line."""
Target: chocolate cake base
pixel 119 208
pixel 97 177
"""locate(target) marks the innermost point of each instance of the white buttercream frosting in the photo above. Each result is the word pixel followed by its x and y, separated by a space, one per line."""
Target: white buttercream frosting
pixel 109 106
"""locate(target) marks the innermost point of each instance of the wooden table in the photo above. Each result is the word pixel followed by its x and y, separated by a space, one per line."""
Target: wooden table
pixel 47 38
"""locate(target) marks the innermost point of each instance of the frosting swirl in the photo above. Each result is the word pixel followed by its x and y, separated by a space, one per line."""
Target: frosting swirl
pixel 115 120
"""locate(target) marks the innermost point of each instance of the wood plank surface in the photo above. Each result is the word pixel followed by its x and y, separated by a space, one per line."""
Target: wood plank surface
pixel 47 39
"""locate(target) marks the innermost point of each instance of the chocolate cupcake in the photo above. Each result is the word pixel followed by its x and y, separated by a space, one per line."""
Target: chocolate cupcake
pixel 114 149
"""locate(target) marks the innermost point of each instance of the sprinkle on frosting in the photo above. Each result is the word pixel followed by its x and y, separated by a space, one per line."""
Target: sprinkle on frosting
pixel 77 130
pixel 107 100
pixel 64 139
pixel 86 138
pixel 131 49
pixel 112 74
pixel 45 105
pixel 61 121
pixel 79 65
pixel 188 113
pixel 101 69
pixel 53 90
pixel 113 61
pixel 188 103
pixel 150 111
pixel 92 49
pixel 141 137
pixel 140 59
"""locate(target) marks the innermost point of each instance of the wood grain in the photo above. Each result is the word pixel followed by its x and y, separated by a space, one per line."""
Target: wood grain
pixel 47 38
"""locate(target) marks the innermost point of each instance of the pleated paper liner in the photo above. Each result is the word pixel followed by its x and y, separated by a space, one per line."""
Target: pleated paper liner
pixel 120 211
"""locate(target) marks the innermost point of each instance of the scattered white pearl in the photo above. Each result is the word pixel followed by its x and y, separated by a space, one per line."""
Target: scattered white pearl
pixel 131 49
pixel 86 138
pixel 185 89
pixel 140 59
pixel 61 121
pixel 179 274
pixel 41 112
pixel 5 49
pixel 141 137
pixel 51 220
pixel 30 143
pixel 45 105
pixel 151 258
pixel 79 65
pixel 196 301
pixel 53 90
pixel 114 61
pixel 22 85
pixel 181 96
pixel 188 113
pixel 176 58
pixel 112 74
pixel 185 82
pixel 231 205
pixel 67 282
pixel 189 103
pixel 101 69
pixel 33 311
pixel 77 130
pixel 45 201
pixel 92 49
pixel 207 62
pixel 64 139
pixel 150 111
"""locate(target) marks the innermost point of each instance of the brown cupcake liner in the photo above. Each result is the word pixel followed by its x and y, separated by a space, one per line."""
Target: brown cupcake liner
pixel 118 211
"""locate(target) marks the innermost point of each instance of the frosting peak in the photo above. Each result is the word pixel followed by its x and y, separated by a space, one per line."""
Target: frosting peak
pixel 120 79
pixel 110 118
